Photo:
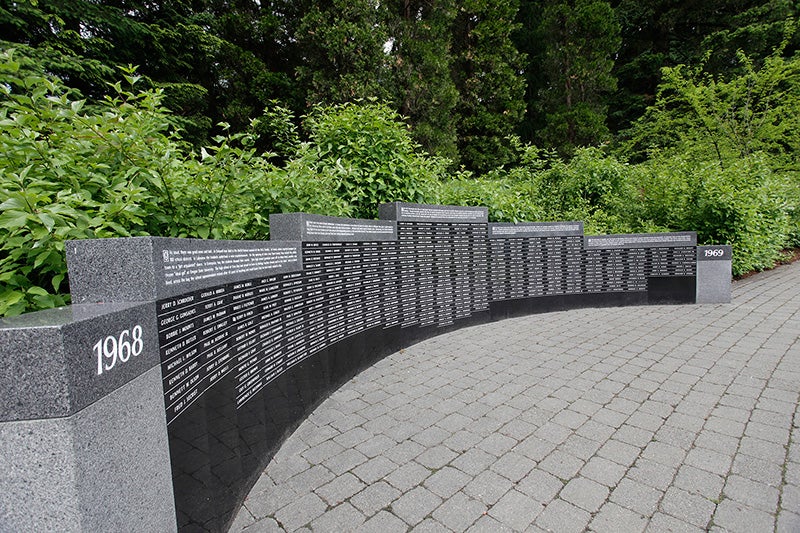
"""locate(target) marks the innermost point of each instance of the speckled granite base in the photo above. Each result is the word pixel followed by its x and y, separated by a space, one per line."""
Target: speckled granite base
pixel 103 469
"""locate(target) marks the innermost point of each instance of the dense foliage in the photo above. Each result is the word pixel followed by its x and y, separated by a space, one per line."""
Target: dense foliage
pixel 631 116
pixel 69 170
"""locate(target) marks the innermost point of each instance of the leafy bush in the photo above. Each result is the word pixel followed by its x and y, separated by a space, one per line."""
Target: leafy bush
pixel 507 199
pixel 745 205
pixel 70 171
pixel 368 151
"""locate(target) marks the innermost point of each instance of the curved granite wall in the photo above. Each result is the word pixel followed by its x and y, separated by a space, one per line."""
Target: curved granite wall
pixel 251 336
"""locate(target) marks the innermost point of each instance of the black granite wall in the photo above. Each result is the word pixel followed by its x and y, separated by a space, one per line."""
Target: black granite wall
pixel 244 361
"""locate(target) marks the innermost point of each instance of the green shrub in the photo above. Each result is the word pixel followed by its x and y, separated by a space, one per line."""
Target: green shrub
pixel 745 205
pixel 369 153
pixel 70 171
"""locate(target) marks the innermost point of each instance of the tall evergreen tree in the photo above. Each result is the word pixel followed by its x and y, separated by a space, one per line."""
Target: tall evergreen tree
pixel 181 46
pixel 487 72
pixel 342 46
pixel 529 40
pixel 421 59
pixel 582 38
pixel 666 33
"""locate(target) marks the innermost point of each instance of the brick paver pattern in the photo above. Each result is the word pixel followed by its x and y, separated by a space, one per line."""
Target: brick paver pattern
pixel 655 418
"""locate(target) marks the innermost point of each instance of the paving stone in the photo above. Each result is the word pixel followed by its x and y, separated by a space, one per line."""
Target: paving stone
pixel 792 472
pixel 633 435
pixel 413 506
pixel 759 470
pixel 488 487
pixel 561 464
pixel 697 481
pixel 340 488
pixel 375 497
pixel 540 486
pixel 282 468
pixel 711 440
pixel 516 510
pixel 570 419
pixel 459 512
pixel 620 452
pixel 585 493
pixel 518 429
pixel 343 517
pixel 709 460
pixel 374 469
pixel 778 435
pixel 436 457
pixel 429 525
pixel 738 518
pixel 353 437
pixel 790 498
pixel 487 524
pixel 454 422
pixel 301 511
pixel 497 444
pixel 563 517
pixel 580 447
pixel 322 451
pixel 376 445
pixel 610 417
pixel 613 518
pixel 685 421
pixel 383 522
pixel 663 523
pixel 636 497
pixel 553 432
pixel 473 461
pixel 646 421
pixel 595 431
pixel 447 481
pixel 513 466
pixel 731 428
pixel 431 436
pixel 408 476
pixel 651 473
pixel 347 460
pixel 788 522
pixel 265 525
pixel 692 508
pixel 603 471
pixel 266 503
pixel 751 493
pixel 762 449
pixel 535 448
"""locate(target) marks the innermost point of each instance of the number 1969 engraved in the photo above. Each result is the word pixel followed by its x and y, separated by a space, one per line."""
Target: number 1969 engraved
pixel 109 350
pixel 719 252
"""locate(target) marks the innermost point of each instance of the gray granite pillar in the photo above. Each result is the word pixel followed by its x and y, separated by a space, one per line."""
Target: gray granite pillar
pixel 83 437
pixel 714 274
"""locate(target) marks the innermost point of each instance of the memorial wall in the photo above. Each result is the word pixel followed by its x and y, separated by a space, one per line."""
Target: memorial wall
pixel 246 338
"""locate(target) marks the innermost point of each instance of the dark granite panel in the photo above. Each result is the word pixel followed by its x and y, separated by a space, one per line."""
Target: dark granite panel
pixel 305 227
pixel 640 240
pixel 153 268
pixel 407 212
pixel 502 230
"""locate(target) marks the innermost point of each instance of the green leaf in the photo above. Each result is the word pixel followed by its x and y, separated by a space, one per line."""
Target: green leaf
pixel 13 219
pixel 37 290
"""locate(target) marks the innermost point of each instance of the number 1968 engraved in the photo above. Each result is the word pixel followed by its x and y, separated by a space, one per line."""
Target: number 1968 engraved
pixel 109 350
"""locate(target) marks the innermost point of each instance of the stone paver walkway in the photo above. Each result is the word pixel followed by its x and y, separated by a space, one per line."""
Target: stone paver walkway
pixel 658 418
